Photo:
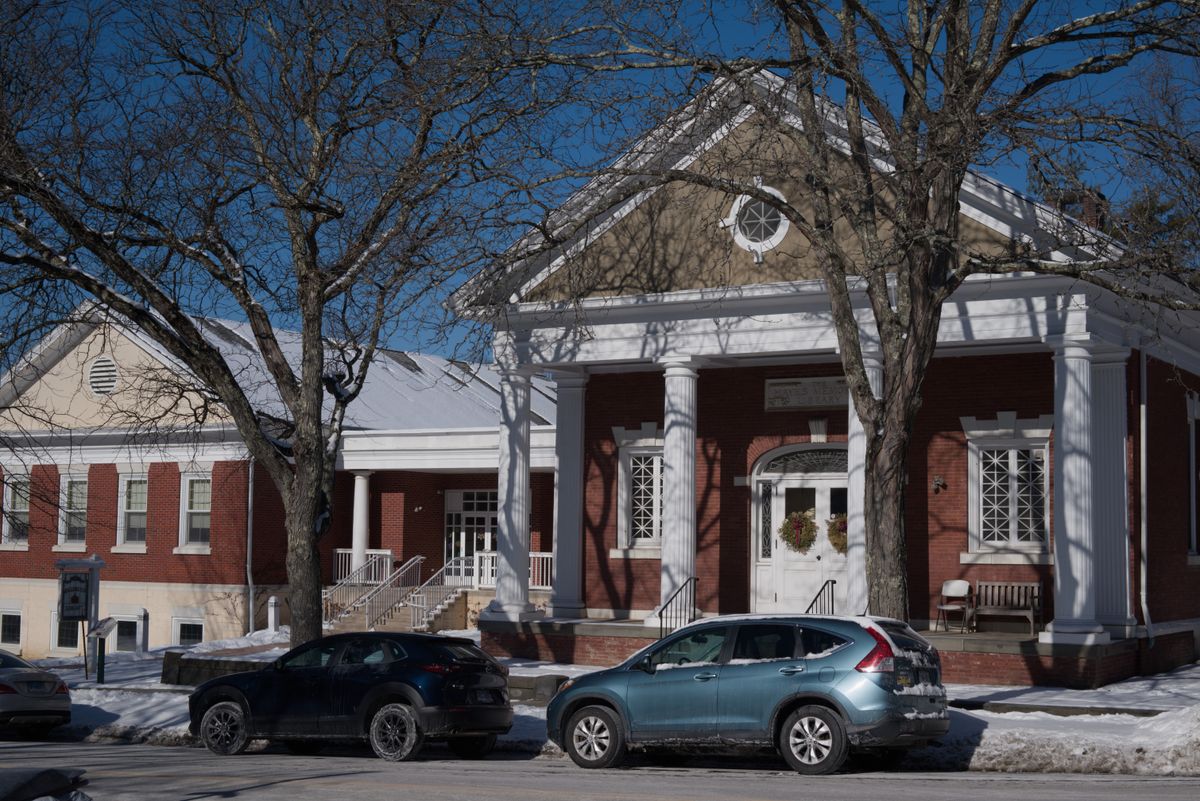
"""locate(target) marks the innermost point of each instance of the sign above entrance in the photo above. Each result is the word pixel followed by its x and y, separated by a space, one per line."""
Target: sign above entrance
pixel 805 393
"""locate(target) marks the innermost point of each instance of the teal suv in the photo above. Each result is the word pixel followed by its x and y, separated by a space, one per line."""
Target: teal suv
pixel 813 687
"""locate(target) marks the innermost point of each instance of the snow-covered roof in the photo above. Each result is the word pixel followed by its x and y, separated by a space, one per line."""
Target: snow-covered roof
pixel 403 391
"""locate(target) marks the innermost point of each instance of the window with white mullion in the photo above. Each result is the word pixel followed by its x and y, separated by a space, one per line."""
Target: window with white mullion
pixel 16 510
pixel 133 510
pixel 74 511
pixel 199 511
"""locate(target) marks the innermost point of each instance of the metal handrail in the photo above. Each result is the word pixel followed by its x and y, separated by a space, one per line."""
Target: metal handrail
pixel 679 609
pixel 455 575
pixel 822 602
pixel 392 591
pixel 349 593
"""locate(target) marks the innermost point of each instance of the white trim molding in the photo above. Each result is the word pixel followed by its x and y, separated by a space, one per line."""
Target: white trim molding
pixel 644 441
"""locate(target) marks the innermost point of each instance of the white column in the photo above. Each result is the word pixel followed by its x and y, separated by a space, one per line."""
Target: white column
pixel 856 484
pixel 679 477
pixel 1090 514
pixel 512 549
pixel 566 599
pixel 1110 479
pixel 360 526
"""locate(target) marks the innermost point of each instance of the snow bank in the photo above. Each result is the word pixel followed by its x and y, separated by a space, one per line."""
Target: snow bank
pixel 1037 742
pixel 263 637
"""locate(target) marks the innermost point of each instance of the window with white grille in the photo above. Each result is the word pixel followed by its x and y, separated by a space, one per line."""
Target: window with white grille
pixel 645 493
pixel 1012 495
pixel 198 512
pixel 1008 489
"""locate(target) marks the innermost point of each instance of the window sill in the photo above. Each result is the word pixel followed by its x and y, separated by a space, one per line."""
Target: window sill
pixel 1005 558
pixel 644 552
pixel 128 547
pixel 14 546
pixel 69 547
pixel 193 550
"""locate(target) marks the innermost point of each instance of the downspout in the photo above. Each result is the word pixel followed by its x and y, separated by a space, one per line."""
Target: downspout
pixel 1143 490
pixel 250 548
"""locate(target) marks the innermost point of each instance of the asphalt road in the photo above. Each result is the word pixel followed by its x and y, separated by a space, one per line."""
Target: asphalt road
pixel 145 772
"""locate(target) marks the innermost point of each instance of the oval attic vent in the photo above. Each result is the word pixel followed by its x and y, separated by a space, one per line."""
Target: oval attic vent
pixel 102 376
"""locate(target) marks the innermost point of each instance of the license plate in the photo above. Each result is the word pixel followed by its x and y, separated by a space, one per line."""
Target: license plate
pixel 482 697
pixel 38 687
pixel 904 678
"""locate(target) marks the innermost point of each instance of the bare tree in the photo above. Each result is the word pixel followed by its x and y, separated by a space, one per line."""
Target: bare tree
pixel 878 112
pixel 314 166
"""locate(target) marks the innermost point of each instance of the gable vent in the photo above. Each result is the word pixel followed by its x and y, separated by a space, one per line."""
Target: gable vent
pixel 102 376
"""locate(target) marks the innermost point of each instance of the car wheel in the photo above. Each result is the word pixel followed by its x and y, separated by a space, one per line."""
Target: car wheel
pixel 303 747
pixel 813 740
pixel 223 728
pixel 395 733
pixel 473 747
pixel 595 738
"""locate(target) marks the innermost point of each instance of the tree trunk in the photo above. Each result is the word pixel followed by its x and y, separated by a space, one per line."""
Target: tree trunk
pixel 883 508
pixel 304 506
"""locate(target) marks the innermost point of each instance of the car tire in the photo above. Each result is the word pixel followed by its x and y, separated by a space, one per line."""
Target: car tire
pixel 812 740
pixel 595 738
pixel 223 728
pixel 395 733
pixel 476 747
pixel 303 747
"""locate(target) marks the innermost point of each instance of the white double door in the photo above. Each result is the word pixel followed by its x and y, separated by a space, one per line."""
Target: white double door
pixel 785 579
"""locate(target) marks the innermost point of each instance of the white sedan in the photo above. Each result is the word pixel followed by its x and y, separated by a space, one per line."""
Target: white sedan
pixel 30 696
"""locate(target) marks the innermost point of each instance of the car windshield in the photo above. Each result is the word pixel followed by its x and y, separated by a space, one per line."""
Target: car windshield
pixel 7 660
pixel 697 647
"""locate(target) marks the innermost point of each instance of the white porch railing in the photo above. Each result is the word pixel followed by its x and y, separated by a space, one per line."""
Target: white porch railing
pixel 438 588
pixel 342 558
pixel 348 594
pixel 382 602
pixel 541 569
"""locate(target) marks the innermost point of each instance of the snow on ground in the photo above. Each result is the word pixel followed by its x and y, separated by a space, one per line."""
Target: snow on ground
pixel 264 637
pixel 1166 691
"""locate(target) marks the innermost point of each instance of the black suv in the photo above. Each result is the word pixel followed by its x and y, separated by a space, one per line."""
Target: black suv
pixel 395 690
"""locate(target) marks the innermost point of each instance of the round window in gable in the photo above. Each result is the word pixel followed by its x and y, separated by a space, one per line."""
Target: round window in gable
pixel 756 225
pixel 102 376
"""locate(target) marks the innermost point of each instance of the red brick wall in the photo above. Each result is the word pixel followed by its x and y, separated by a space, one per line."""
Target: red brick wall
pixel 270 537
pixel 734 430
pixel 1168 495
pixel 407 514
pixel 563 648
pixel 936 522
pixel 225 564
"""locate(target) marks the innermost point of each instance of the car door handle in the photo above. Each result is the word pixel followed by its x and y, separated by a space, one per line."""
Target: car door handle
pixel 704 676
pixel 791 670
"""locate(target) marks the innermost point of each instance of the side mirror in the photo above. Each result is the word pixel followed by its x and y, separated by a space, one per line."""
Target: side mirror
pixel 277 664
pixel 646 666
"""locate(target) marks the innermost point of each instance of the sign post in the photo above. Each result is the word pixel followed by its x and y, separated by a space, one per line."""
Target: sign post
pixel 79 597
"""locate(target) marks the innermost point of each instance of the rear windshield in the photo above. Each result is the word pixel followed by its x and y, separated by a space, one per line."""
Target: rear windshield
pixel 905 638
pixel 7 660
pixel 462 652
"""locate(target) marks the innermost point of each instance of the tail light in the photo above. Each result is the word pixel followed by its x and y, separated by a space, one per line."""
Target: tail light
pixel 7 690
pixel 61 689
pixel 881 659
pixel 442 668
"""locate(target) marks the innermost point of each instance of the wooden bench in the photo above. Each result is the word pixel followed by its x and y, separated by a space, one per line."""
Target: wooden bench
pixel 1009 598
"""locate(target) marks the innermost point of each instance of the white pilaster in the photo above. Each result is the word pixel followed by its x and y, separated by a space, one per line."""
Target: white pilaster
pixel 566 599
pixel 679 477
pixel 512 549
pixel 360 526
pixel 856 529
pixel 1110 477
pixel 1090 513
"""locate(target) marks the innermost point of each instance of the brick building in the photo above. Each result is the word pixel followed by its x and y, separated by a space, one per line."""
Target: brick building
pixel 96 460
pixel 701 399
